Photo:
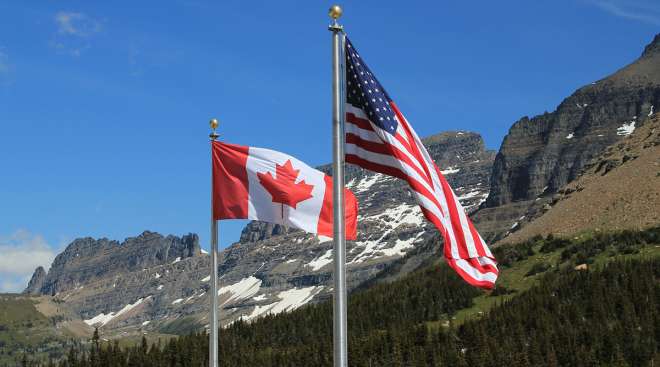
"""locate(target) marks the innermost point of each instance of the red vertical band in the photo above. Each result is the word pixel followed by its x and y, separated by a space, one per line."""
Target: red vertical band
pixel 230 181
pixel 326 219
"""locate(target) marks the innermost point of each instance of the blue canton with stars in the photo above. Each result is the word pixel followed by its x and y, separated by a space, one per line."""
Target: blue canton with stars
pixel 365 92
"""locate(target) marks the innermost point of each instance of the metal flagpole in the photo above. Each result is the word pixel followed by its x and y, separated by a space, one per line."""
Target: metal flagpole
pixel 213 293
pixel 339 235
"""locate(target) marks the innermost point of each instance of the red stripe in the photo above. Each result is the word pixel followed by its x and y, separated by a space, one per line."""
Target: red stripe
pixel 477 239
pixel 411 138
pixel 363 124
pixel 230 181
pixel 325 224
pixel 453 215
pixel 468 278
pixel 386 149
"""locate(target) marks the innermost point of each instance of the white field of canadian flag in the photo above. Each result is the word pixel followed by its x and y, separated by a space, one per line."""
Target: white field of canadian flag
pixel 266 185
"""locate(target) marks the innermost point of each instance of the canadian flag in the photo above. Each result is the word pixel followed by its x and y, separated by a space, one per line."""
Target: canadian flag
pixel 262 184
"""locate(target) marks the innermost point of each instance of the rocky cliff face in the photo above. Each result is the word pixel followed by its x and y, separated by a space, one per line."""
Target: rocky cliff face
pixel 36 282
pixel 540 155
pixel 151 282
pixel 87 259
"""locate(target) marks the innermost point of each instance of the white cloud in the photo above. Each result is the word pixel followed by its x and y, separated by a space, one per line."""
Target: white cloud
pixel 647 11
pixel 76 24
pixel 21 253
pixel 74 32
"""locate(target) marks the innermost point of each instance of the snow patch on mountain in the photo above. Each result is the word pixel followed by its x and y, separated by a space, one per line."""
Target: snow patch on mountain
pixel 102 319
pixel 321 261
pixel 365 183
pixel 626 128
pixel 289 300
pixel 244 289
pixel 450 170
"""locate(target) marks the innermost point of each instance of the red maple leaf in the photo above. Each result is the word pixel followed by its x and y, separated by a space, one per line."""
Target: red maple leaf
pixel 283 188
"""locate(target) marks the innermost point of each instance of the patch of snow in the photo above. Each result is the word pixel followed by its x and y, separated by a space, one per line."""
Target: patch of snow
pixel 450 170
pixel 321 261
pixel 176 301
pixel 245 288
pixel 626 129
pixel 159 287
pixel 176 260
pixel 289 301
pixel 514 225
pixel 365 183
pixel 324 238
pixel 146 323
pixel 261 297
pixel 291 261
pixel 521 218
pixel 651 112
pixel 471 195
pixel 204 251
pixel 104 319
pixel 391 218
pixel 157 276
pixel 206 279
pixel 570 136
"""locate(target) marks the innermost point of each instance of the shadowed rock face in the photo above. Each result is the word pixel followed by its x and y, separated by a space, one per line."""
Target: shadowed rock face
pixel 540 155
pixel 272 268
pixel 36 282
pixel 87 259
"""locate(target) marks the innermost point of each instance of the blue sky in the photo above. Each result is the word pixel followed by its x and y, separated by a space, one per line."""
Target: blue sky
pixel 104 105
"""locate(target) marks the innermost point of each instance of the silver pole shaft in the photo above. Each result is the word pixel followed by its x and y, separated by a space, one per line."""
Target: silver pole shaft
pixel 339 230
pixel 213 293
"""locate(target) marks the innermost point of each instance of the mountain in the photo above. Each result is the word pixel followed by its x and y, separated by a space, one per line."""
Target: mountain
pixel 152 283
pixel 618 190
pixel 540 155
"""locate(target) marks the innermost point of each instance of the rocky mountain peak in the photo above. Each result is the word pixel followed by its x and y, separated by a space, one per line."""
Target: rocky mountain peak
pixel 36 281
pixel 652 48
pixel 541 154
pixel 88 258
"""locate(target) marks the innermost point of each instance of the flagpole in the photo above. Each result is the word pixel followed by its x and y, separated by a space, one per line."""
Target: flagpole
pixel 339 231
pixel 213 293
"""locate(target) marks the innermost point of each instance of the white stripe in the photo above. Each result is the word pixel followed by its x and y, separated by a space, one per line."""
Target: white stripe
pixel 467 234
pixel 475 273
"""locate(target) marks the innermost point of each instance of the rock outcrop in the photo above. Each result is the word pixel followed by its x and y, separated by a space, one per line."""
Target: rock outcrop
pixel 88 259
pixel 619 190
pixel 36 282
pixel 540 155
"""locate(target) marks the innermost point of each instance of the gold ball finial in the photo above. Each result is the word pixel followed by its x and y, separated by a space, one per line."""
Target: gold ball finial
pixel 214 123
pixel 335 12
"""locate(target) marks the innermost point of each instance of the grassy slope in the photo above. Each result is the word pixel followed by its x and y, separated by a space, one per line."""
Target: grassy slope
pixel 514 278
pixel 24 328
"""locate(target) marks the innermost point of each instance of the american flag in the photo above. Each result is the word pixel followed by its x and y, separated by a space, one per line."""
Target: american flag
pixel 380 139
